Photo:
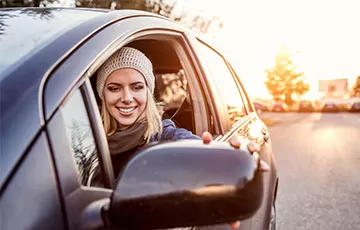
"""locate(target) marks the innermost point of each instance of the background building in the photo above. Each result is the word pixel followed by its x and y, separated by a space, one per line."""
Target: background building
pixel 334 88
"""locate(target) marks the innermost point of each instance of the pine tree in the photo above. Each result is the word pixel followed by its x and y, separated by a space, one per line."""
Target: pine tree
pixel 356 88
pixel 283 81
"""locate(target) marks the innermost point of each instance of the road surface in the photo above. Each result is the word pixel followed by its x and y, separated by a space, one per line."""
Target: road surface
pixel 318 159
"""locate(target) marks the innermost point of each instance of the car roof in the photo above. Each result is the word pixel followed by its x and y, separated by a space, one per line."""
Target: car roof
pixel 46 24
pixel 21 82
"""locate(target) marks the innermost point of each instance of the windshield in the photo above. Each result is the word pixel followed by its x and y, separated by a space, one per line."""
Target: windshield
pixel 24 30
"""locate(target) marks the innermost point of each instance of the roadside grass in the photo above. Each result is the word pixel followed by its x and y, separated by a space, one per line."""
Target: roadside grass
pixel 270 122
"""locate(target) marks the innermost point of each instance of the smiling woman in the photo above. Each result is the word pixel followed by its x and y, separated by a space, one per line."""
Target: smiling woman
pixel 125 85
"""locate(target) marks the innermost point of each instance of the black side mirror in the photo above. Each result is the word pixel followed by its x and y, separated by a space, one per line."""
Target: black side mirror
pixel 186 183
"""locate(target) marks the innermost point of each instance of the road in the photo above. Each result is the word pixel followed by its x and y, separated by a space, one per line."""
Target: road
pixel 318 159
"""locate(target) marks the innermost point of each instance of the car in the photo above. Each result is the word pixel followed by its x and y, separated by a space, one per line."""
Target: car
pixel 260 107
pixel 53 143
pixel 306 106
pixel 280 106
pixel 355 107
pixel 330 107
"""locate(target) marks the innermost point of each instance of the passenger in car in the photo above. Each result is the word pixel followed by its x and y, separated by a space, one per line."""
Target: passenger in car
pixel 131 118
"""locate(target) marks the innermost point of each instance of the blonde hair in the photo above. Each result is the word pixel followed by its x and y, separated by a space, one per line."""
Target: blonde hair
pixel 152 117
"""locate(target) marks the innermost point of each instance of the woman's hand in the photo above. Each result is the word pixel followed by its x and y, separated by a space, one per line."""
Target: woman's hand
pixel 235 142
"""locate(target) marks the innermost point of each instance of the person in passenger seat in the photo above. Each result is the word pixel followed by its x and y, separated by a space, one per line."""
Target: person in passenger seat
pixel 131 118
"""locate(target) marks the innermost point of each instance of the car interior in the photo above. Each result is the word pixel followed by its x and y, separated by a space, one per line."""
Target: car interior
pixel 171 93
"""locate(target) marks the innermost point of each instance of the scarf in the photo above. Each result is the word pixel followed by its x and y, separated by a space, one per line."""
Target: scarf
pixel 125 140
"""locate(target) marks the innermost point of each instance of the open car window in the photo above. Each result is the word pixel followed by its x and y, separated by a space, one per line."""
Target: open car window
pixel 172 92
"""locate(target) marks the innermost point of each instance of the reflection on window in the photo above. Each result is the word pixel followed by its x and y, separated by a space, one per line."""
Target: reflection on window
pixel 171 90
pixel 225 83
pixel 82 140
pixel 46 25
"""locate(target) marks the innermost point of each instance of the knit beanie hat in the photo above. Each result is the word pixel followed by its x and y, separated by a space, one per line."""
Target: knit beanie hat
pixel 126 57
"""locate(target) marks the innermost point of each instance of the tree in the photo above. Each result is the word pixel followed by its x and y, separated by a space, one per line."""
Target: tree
pixel 355 92
pixel 25 3
pixel 93 3
pixel 283 81
pixel 164 8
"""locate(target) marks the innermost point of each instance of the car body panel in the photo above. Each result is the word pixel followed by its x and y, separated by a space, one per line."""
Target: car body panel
pixel 355 107
pixel 255 130
pixel 280 107
pixel 47 24
pixel 306 106
pixel 36 180
pixel 330 107
pixel 260 107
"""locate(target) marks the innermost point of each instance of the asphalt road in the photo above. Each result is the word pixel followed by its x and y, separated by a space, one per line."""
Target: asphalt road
pixel 318 159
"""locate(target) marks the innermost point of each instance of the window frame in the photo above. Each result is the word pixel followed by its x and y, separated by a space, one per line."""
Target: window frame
pixel 76 196
pixel 182 47
pixel 225 119
pixel 248 105
pixel 100 142
pixel 95 121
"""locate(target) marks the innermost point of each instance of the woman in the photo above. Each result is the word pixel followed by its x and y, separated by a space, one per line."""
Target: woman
pixel 125 85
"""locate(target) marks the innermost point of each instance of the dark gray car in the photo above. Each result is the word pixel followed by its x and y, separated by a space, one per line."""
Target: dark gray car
pixel 53 144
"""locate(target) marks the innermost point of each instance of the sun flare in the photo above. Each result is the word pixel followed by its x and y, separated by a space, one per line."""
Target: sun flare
pixel 321 45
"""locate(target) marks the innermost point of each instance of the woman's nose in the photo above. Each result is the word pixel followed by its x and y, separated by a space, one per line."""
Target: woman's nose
pixel 126 97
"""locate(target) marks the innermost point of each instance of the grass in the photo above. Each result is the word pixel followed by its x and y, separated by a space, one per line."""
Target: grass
pixel 269 122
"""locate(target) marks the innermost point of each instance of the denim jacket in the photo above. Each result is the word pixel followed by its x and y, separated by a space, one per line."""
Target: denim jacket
pixel 170 132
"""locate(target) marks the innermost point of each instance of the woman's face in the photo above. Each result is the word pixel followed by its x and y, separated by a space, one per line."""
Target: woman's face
pixel 125 95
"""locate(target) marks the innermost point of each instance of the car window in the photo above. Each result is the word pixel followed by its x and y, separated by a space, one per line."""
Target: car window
pixel 244 95
pixel 82 140
pixel 225 83
pixel 173 79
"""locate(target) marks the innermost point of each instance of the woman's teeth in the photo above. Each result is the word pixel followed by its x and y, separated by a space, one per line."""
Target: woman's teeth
pixel 127 110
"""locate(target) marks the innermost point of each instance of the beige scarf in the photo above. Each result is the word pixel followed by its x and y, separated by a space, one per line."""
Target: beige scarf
pixel 128 139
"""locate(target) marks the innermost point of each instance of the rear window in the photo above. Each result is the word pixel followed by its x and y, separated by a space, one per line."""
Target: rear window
pixel 24 30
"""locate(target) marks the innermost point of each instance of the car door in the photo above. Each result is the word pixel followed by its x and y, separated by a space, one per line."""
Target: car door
pixel 81 159
pixel 259 133
pixel 74 125
pixel 239 119
pixel 30 198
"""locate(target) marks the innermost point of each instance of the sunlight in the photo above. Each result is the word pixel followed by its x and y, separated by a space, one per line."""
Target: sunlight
pixel 327 134
pixel 322 46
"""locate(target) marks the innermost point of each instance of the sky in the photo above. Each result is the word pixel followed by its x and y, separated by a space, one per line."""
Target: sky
pixel 323 36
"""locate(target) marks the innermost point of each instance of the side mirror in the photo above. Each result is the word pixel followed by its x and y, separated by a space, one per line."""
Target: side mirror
pixel 186 183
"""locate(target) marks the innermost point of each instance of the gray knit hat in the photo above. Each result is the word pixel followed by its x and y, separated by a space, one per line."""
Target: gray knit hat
pixel 126 57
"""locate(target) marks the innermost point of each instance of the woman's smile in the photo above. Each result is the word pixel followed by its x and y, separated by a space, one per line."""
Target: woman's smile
pixel 126 111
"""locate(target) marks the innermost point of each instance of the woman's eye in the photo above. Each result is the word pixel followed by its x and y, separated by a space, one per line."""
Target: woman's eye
pixel 138 87
pixel 113 89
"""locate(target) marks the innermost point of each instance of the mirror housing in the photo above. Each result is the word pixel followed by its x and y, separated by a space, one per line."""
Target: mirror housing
pixel 186 183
